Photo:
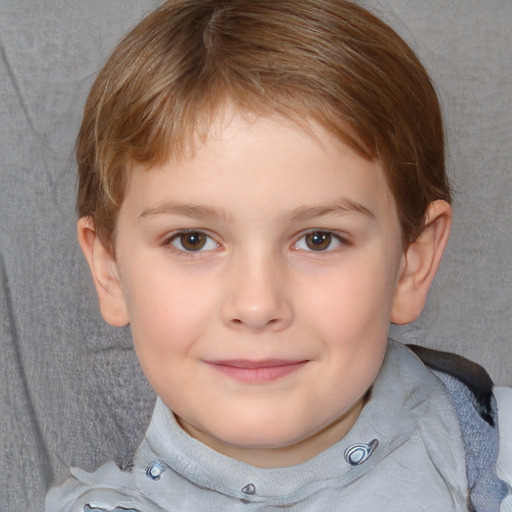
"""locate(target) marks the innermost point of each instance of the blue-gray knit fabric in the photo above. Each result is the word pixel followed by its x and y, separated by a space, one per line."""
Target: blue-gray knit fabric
pixel 482 441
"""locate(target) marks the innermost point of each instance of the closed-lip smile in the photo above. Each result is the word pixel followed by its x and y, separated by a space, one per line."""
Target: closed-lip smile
pixel 257 371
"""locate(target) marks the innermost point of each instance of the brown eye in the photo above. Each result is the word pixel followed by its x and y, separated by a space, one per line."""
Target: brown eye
pixel 192 241
pixel 318 240
pixel 189 242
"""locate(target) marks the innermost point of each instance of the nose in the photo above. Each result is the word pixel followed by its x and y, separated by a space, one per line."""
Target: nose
pixel 257 297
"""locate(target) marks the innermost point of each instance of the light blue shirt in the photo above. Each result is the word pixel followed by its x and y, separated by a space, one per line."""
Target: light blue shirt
pixel 405 452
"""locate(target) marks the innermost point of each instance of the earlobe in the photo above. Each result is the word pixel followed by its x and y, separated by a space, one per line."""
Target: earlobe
pixel 105 274
pixel 420 262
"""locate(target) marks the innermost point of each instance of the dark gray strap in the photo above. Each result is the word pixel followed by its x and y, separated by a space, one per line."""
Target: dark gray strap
pixel 470 388
pixel 471 374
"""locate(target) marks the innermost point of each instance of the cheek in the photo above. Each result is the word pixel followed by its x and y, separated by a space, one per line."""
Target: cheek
pixel 168 311
pixel 357 299
pixel 350 312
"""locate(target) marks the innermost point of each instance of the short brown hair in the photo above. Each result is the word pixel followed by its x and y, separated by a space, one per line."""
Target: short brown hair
pixel 326 60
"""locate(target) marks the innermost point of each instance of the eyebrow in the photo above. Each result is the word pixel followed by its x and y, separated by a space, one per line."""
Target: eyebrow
pixel 185 209
pixel 341 206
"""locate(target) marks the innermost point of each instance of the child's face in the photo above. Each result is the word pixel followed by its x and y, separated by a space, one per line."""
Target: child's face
pixel 259 276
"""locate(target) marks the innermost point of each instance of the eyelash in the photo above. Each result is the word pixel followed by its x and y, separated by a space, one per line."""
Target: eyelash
pixel 183 251
pixel 333 237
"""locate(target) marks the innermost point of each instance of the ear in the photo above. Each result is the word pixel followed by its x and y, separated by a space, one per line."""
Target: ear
pixel 105 274
pixel 420 262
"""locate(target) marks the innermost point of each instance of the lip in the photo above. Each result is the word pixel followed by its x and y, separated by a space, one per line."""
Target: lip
pixel 257 371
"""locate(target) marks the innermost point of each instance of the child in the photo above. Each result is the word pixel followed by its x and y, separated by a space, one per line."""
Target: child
pixel 261 191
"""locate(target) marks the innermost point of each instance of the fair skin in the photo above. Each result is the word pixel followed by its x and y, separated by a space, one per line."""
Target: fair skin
pixel 259 275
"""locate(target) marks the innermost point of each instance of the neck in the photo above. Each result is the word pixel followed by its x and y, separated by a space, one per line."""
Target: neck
pixel 283 456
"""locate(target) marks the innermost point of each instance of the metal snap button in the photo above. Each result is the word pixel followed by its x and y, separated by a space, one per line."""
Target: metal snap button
pixel 358 453
pixel 249 489
pixel 154 470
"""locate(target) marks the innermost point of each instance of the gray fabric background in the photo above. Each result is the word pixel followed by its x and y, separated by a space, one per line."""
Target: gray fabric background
pixel 70 389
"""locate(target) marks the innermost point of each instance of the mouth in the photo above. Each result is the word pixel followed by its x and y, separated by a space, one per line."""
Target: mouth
pixel 257 371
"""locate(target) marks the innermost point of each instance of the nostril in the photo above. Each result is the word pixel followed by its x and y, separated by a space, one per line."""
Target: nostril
pixel 254 324
pixel 256 312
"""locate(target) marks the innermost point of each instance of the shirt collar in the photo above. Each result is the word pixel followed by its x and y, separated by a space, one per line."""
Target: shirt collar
pixel 390 417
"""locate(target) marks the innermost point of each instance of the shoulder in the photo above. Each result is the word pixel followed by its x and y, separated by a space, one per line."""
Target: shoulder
pixel 485 418
pixel 504 466
pixel 473 377
pixel 108 489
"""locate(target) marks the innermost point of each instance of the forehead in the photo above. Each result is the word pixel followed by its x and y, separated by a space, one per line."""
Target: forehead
pixel 272 164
